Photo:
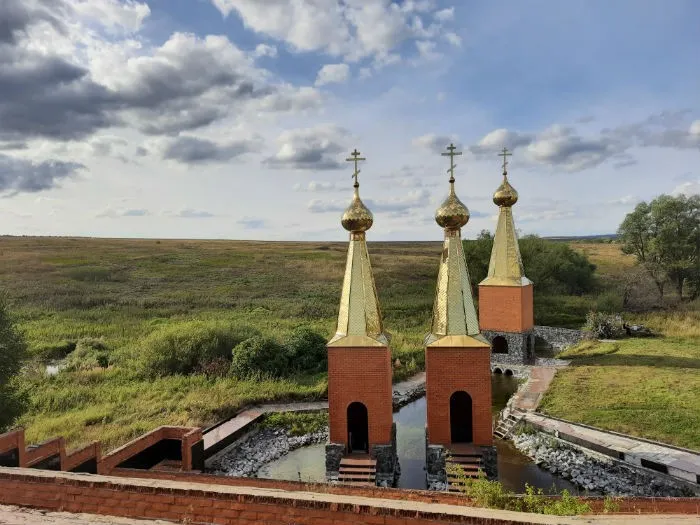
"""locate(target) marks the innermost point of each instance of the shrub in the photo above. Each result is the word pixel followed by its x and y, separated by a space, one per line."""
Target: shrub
pixel 307 351
pixel 51 352
pixel 609 303
pixel 182 348
pixel 89 353
pixel 259 356
pixel 297 423
pixel 604 326
pixel 13 352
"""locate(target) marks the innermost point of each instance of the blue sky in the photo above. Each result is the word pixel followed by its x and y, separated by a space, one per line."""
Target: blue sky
pixel 232 118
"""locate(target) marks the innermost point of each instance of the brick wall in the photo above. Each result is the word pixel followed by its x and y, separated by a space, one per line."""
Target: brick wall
pixel 449 370
pixel 506 308
pixel 364 375
pixel 198 503
pixel 234 505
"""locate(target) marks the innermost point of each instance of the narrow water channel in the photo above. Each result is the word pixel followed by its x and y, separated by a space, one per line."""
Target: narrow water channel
pixel 514 468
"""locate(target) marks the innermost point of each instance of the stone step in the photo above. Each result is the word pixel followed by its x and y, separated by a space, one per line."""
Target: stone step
pixel 358 461
pixel 356 477
pixel 358 470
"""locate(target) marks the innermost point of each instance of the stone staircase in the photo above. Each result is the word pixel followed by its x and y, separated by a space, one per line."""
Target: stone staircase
pixel 358 470
pixel 469 459
pixel 506 425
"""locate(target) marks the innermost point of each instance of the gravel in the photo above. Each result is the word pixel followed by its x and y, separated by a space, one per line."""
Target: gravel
pixel 598 475
pixel 260 448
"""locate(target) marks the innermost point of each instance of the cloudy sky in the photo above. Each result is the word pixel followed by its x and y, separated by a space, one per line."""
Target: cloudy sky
pixel 233 118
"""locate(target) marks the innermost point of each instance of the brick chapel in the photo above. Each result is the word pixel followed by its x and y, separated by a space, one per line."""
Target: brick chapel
pixel 359 360
pixel 505 296
pixel 457 357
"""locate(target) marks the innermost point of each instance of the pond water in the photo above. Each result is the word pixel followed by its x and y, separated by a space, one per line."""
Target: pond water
pixel 514 468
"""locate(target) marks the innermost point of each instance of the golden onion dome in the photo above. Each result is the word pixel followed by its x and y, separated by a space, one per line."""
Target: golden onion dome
pixel 357 217
pixel 505 195
pixel 452 213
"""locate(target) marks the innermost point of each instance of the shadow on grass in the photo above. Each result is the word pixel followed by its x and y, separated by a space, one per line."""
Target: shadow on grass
pixel 614 359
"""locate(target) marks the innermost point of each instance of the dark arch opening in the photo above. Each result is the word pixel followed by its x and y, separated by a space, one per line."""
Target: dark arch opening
pixel 461 417
pixel 497 371
pixel 509 372
pixel 358 428
pixel 499 345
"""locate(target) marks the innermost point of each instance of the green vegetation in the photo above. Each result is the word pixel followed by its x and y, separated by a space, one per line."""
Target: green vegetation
pixel 12 354
pixel 297 423
pixel 644 387
pixel 492 494
pixel 664 236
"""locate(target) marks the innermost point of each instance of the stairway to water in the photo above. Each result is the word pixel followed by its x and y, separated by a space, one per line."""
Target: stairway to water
pixel 358 470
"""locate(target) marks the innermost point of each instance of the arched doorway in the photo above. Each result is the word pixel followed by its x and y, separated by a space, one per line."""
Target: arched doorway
pixel 461 417
pixel 358 428
pixel 499 345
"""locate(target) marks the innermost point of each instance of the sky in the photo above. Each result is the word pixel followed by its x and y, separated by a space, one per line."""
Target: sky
pixel 233 118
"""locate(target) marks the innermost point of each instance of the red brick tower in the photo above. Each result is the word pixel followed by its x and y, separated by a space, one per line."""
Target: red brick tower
pixel 359 360
pixel 457 357
pixel 505 296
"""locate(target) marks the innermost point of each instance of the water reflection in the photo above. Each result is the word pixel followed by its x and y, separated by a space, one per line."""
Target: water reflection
pixel 514 469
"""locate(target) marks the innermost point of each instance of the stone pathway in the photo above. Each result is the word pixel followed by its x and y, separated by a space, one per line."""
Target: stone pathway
pixel 529 397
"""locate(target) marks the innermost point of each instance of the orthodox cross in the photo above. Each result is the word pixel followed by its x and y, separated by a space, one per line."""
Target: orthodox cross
pixel 451 153
pixel 505 156
pixel 355 157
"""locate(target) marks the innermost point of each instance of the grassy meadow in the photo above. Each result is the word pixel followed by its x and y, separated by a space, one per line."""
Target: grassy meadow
pixel 126 292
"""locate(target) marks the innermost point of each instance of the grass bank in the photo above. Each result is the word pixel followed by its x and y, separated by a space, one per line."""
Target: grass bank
pixel 644 387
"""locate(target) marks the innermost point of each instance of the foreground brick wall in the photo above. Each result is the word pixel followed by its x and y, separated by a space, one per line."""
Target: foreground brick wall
pixel 231 501
pixel 448 370
pixel 506 308
pixel 364 375
pixel 198 503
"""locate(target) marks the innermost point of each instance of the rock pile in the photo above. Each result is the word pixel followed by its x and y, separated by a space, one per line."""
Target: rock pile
pixel 262 447
pixel 595 475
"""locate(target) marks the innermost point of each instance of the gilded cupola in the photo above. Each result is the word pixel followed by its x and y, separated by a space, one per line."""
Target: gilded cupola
pixel 454 314
pixel 359 317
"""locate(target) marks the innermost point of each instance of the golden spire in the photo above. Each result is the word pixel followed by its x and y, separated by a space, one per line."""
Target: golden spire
pixel 506 265
pixel 359 318
pixel 454 315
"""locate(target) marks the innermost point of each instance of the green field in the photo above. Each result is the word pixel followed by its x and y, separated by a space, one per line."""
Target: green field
pixel 63 290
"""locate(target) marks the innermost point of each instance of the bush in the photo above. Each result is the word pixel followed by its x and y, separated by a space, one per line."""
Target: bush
pixel 260 356
pixel 604 326
pixel 89 353
pixel 52 352
pixel 13 352
pixel 609 303
pixel 297 423
pixel 307 351
pixel 182 348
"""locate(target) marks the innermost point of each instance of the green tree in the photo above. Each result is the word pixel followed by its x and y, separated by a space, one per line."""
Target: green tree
pixel 553 266
pixel 664 235
pixel 260 356
pixel 13 352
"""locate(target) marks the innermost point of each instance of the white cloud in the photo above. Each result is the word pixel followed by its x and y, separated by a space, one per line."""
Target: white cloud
pixel 427 50
pixel 454 39
pixel 316 187
pixel 352 29
pixel 333 74
pixel 445 15
pixel 435 143
pixel 125 15
pixel 264 50
pixel 310 148
pixel 114 213
pixel 687 188
pixel 624 200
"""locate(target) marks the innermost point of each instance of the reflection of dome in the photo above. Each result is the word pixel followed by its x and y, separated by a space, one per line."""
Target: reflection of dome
pixel 452 213
pixel 505 195
pixel 357 218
